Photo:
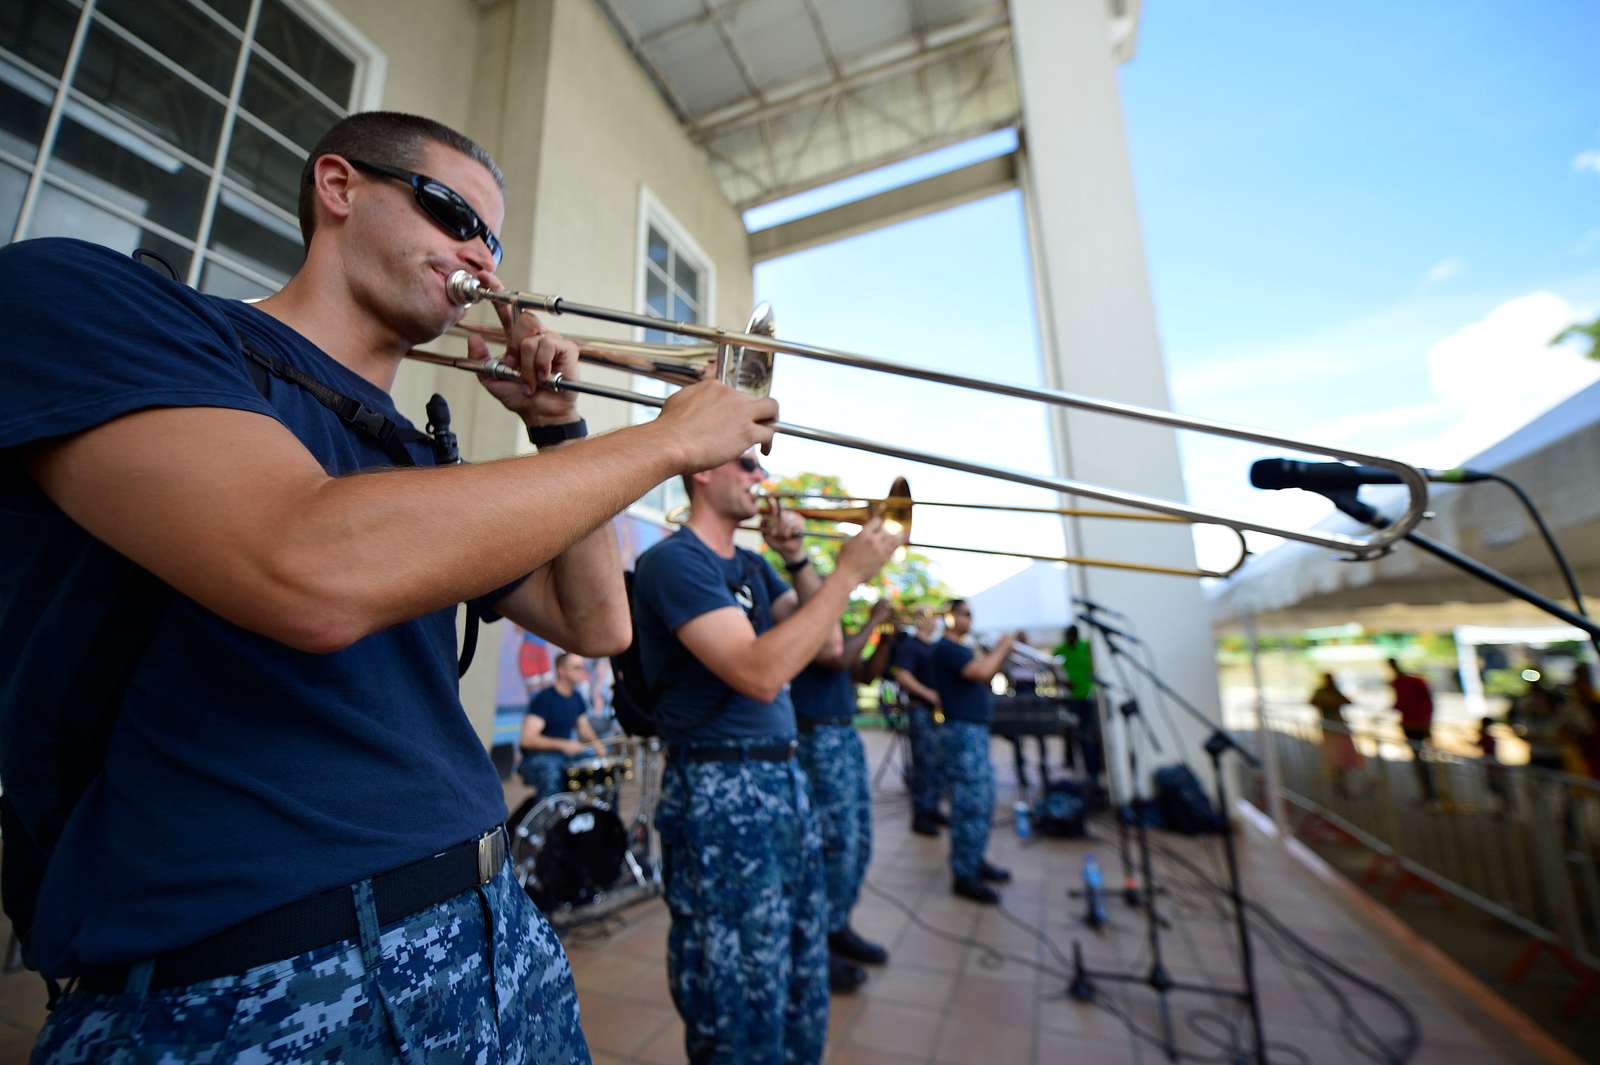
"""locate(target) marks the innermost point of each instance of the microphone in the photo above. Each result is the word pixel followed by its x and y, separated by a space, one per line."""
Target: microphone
pixel 1107 630
pixel 1341 476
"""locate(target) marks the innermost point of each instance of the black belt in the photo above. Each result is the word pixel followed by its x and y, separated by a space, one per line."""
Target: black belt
pixel 811 724
pixel 774 752
pixel 317 921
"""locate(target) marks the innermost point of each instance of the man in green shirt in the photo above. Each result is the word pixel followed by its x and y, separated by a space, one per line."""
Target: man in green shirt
pixel 1077 661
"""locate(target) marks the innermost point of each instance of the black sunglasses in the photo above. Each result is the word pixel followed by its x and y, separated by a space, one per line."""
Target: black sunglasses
pixel 749 465
pixel 441 203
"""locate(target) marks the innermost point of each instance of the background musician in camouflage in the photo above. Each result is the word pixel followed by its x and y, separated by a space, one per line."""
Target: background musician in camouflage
pixel 910 671
pixel 962 677
pixel 720 637
pixel 824 696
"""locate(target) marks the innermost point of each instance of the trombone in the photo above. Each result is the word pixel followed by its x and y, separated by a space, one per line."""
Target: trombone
pixel 744 360
pixel 897 506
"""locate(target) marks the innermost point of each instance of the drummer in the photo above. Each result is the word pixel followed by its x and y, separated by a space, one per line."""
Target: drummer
pixel 556 729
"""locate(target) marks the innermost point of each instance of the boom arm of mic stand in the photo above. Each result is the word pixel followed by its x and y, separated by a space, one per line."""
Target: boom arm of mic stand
pixel 1349 503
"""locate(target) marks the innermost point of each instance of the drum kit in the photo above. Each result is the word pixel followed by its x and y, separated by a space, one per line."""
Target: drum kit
pixel 588 851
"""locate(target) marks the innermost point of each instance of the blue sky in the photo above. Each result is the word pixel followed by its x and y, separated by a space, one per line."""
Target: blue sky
pixel 1362 224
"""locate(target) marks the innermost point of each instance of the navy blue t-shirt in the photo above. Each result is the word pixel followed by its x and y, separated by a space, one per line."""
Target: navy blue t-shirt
pixel 960 699
pixel 559 712
pixel 822 692
pixel 674 582
pixel 241 774
pixel 913 656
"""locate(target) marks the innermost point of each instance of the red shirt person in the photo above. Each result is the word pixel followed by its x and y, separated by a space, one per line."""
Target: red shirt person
pixel 1414 703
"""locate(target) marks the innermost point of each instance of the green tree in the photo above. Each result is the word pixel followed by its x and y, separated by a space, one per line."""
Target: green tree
pixel 1589 333
pixel 908 582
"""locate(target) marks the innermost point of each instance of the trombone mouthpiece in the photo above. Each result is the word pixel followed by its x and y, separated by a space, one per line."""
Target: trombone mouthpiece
pixel 463 288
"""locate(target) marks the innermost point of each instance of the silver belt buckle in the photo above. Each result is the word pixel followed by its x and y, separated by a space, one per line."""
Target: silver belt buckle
pixel 491 853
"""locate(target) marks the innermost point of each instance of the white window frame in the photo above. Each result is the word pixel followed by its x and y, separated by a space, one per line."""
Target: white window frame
pixel 371 70
pixel 653 213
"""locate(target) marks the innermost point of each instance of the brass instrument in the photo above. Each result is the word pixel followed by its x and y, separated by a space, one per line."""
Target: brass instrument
pixel 897 506
pixel 744 360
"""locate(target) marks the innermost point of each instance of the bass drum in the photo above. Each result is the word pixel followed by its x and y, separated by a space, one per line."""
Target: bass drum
pixel 566 850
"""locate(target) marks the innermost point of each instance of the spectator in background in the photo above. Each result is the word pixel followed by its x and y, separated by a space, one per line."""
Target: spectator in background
pixel 1340 759
pixel 1540 719
pixel 1585 712
pixel 1414 703
pixel 1494 773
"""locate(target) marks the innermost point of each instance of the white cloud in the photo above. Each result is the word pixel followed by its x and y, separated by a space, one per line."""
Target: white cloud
pixel 1500 372
pixel 1587 160
pixel 1444 270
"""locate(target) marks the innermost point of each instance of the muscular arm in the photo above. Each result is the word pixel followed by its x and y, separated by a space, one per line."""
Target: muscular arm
pixel 247 523
pixel 983 667
pixel 907 680
pixel 847 653
pixel 759 666
pixel 578 600
pixel 588 735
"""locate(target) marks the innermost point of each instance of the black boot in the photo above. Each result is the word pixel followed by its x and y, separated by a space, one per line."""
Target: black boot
pixel 993 873
pixel 847 944
pixel 844 977
pixel 970 887
pixel 923 824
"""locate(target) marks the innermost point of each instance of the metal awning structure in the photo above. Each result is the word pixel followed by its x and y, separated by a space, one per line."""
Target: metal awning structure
pixel 786 95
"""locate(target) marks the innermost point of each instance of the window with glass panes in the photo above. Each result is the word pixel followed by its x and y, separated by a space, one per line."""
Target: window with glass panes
pixel 674 287
pixel 174 125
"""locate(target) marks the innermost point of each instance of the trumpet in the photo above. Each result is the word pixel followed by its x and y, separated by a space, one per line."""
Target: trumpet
pixel 896 508
pixel 739 362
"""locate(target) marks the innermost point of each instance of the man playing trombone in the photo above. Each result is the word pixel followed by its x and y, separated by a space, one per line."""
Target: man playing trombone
pixel 824 696
pixel 962 676
pixel 720 638
pixel 912 656
pixel 214 496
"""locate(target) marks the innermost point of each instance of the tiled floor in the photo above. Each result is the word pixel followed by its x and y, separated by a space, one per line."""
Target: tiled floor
pixel 1000 999
pixel 971 986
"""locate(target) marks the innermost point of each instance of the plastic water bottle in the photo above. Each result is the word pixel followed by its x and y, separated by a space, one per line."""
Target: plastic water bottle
pixel 1022 819
pixel 1094 891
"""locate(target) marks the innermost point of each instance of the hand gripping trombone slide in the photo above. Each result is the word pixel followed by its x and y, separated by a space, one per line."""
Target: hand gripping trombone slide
pixel 743 360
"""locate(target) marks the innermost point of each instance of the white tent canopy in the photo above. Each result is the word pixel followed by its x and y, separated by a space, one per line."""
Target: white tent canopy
pixel 1035 598
pixel 1556 460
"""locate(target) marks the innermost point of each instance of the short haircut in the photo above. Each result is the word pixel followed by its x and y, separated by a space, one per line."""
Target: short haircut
pixel 389 138
pixel 567 656
pixel 952 604
pixel 688 486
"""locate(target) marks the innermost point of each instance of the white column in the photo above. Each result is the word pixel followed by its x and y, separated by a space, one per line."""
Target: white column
pixel 1098 332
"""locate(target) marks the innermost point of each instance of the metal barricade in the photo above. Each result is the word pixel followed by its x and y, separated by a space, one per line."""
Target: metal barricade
pixel 1518 842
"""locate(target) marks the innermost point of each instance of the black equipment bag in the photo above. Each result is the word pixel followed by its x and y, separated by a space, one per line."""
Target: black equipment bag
pixel 1182 803
pixel 1062 812
pixel 633 698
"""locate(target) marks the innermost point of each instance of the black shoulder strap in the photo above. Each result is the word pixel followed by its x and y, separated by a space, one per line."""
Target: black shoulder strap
pixel 374 425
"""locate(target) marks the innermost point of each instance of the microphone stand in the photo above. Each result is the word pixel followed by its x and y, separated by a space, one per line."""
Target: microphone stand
pixel 1216 745
pixel 1350 503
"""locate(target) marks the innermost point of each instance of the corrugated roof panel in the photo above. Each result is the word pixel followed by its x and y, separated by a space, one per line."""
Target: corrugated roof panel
pixel 777 41
pixel 698 67
pixel 853 27
pixel 777 116
pixel 645 17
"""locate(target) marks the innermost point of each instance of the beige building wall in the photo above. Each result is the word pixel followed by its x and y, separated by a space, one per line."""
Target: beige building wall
pixel 584 141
